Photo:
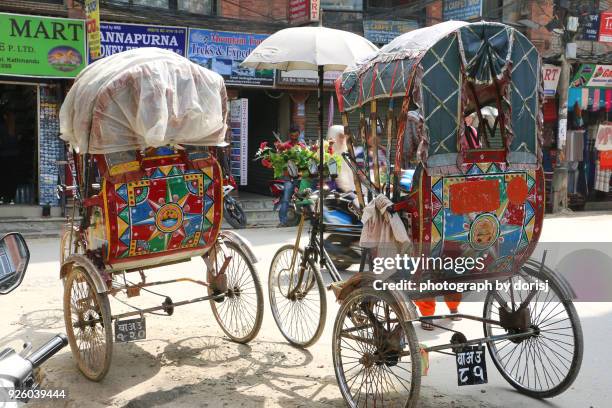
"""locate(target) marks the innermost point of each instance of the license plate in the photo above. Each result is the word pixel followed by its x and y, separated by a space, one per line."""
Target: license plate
pixel 130 330
pixel 471 366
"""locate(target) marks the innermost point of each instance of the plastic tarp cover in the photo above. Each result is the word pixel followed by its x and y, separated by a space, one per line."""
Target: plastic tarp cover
pixel 141 98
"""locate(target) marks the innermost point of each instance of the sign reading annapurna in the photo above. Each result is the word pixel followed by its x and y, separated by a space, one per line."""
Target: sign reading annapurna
pixel 122 37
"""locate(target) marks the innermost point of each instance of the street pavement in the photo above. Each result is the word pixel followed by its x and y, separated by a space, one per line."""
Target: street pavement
pixel 186 361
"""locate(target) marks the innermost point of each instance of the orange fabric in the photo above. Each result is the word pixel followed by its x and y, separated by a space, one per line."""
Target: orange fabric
pixel 427 307
pixel 605 160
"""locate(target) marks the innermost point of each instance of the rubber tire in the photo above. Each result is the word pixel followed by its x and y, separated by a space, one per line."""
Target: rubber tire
pixel 103 302
pixel 578 339
pixel 238 222
pixel 411 341
pixel 259 293
pixel 322 299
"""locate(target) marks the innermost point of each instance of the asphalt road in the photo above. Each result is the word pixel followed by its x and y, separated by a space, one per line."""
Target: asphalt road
pixel 186 361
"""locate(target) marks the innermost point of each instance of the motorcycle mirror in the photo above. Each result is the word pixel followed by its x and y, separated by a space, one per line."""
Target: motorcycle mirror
pixel 14 259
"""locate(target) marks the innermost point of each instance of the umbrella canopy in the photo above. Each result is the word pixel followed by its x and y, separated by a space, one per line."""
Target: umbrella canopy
pixel 309 48
pixel 316 49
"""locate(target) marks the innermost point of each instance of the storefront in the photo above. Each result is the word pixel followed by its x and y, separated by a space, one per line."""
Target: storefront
pixel 586 144
pixel 38 58
pixel 254 105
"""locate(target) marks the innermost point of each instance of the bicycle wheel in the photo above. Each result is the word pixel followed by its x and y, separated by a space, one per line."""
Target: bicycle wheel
pixel 240 312
pixel 546 363
pixel 88 324
pixel 376 354
pixel 300 314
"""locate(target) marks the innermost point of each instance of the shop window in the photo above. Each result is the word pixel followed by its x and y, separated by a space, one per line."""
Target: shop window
pixel 342 5
pixel 148 3
pixel 196 6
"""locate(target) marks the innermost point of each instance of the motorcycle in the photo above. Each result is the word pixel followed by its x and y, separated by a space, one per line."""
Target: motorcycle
pixel 19 370
pixel 232 210
pixel 342 220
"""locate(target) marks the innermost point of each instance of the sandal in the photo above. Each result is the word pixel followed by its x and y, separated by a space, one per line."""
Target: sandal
pixel 455 318
pixel 427 326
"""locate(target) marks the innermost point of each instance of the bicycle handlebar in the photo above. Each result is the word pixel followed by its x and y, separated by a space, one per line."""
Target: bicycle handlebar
pixel 47 350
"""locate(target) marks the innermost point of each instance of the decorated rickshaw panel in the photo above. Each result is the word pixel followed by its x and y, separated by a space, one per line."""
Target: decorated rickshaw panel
pixel 485 213
pixel 172 208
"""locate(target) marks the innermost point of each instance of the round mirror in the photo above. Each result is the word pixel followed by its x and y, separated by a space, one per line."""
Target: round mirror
pixel 14 258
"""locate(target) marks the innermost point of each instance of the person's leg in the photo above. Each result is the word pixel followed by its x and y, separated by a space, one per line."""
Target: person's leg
pixel 427 307
pixel 453 301
pixel 284 204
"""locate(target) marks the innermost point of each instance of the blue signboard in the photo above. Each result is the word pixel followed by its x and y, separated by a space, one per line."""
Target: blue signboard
pixel 122 37
pixel 590 27
pixel 384 31
pixel 462 9
pixel 223 51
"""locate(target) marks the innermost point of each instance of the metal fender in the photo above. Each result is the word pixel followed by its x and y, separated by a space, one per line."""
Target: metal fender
pixel 242 243
pixel 94 273
pixel 566 289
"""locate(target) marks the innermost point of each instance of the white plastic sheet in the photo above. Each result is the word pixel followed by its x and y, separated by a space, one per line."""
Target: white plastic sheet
pixel 146 97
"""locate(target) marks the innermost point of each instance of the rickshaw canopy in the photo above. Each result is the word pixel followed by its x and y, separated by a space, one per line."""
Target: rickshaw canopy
pixel 448 70
pixel 142 98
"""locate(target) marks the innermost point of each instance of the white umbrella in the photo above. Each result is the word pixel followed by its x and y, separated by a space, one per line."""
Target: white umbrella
pixel 311 48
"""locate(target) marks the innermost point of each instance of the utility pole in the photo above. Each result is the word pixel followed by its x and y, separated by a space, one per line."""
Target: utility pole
pixel 560 176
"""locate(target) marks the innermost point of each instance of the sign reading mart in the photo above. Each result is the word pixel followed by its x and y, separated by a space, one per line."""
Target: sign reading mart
pixel 46 47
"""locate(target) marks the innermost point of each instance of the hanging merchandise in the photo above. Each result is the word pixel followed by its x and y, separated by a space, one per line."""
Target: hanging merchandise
pixel 605 160
pixel 603 140
pixel 50 145
pixel 239 122
pixel 574 146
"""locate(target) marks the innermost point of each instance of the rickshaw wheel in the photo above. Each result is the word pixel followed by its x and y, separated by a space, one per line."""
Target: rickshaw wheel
pixel 88 324
pixel 546 363
pixel 240 312
pixel 300 316
pixel 376 362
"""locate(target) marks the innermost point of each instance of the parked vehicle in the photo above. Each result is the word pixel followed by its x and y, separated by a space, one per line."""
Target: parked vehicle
pixel 149 198
pixel 232 210
pixel 476 192
pixel 18 369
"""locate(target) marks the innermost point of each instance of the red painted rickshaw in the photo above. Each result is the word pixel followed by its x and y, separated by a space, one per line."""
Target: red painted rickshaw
pixel 463 122
pixel 142 126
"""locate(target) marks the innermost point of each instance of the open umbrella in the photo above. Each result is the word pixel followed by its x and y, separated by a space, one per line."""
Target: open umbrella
pixel 316 49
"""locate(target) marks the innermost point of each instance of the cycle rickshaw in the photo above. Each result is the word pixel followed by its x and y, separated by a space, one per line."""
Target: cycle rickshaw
pixel 456 197
pixel 148 192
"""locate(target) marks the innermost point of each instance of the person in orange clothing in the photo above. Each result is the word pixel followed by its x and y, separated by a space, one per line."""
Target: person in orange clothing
pixel 427 307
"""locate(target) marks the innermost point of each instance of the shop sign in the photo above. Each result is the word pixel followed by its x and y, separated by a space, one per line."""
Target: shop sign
pixel 303 11
pixel 461 9
pixel 603 141
pixel 92 10
pixel 593 76
pixel 550 73
pixel 41 46
pixel 590 27
pixel 605 27
pixel 342 5
pixel 122 37
pixel 223 51
pixel 384 31
pixel 300 77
